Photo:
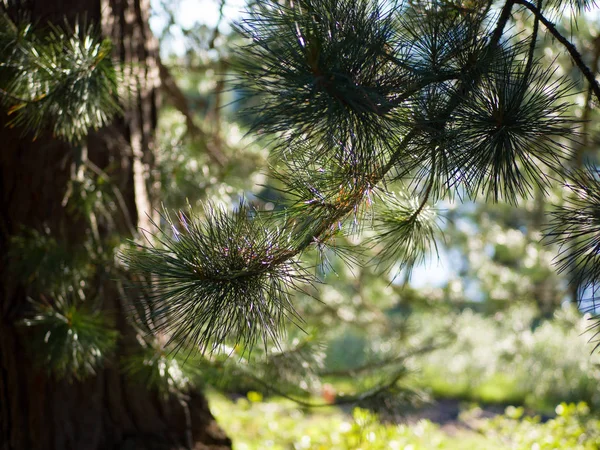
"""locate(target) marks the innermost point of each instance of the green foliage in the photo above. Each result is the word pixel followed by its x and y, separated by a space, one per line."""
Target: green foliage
pixel 68 337
pixel 62 80
pixel 572 428
pixel 472 110
pixel 223 277
pixel 326 81
pixel 356 98
pixel 513 123
pixel 576 229
pixel 277 424
pixel 417 222
pixel 346 351
pixel 507 358
pixel 69 331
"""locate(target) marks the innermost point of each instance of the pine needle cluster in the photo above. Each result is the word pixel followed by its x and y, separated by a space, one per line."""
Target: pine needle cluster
pixel 317 83
pixel 69 337
pixel 69 334
pixel 575 228
pixel 418 222
pixel 221 278
pixel 511 126
pixel 62 80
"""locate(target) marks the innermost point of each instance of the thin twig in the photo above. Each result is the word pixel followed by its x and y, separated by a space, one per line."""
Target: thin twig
pixel 575 55
pixel 180 102
pixel 532 45
pixel 216 32
pixel 502 21
pixel 381 364
pixel 338 401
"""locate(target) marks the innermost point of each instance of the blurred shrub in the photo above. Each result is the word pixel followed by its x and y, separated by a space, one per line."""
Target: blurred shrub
pixel 346 351
pixel 510 357
pixel 281 425
pixel 573 428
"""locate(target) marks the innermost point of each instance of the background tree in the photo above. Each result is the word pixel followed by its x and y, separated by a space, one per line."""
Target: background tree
pixel 68 195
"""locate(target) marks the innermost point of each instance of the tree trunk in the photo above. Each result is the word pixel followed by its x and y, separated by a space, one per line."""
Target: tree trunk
pixel 106 411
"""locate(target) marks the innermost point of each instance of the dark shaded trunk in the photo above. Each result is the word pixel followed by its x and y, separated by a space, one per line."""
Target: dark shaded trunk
pixel 106 411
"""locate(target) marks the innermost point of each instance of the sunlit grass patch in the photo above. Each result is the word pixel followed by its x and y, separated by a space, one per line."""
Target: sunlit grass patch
pixel 282 425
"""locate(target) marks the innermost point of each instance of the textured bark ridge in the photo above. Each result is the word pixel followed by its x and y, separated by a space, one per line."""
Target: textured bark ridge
pixel 106 411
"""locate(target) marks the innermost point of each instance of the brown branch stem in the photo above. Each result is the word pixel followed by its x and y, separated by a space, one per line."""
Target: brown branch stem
pixel 573 52
pixel 180 102
pixel 377 390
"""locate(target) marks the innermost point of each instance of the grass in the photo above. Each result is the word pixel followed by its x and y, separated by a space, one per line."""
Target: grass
pixel 281 425
pixel 278 424
pixel 498 388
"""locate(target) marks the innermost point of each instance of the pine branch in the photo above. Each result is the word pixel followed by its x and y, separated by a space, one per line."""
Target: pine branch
pixel 346 117
pixel 216 281
pixel 377 177
pixel 573 52
pixel 69 338
pixel 61 81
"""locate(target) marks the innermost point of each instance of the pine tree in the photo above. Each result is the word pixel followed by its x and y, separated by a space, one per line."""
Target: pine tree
pixel 78 99
pixel 373 111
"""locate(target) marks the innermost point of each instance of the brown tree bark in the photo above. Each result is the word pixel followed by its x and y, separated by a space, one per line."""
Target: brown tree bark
pixel 106 411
